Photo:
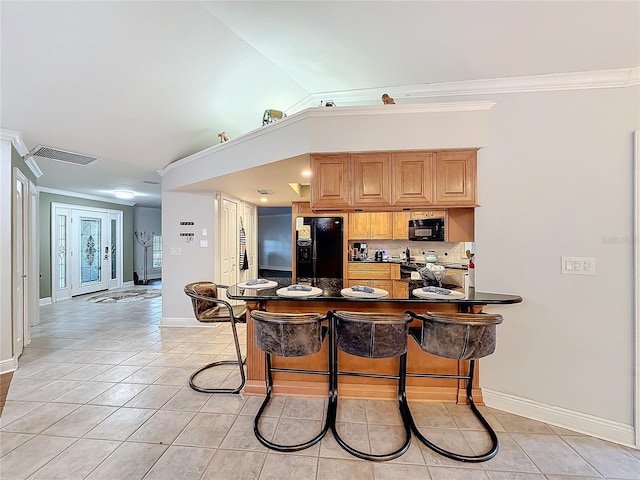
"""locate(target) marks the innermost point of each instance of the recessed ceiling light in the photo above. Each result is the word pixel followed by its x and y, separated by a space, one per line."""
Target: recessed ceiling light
pixel 305 173
pixel 123 194
pixel 264 199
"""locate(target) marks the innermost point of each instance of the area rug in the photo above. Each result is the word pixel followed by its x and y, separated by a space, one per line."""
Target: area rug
pixel 128 295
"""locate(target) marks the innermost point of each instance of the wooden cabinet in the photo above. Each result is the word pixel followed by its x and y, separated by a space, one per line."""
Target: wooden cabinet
pixel 371 226
pixel 412 178
pixel 330 182
pixel 368 271
pixel 393 180
pixel 371 179
pixel 455 182
pixel 383 284
pixel 381 225
pixel 401 225
pixel 400 289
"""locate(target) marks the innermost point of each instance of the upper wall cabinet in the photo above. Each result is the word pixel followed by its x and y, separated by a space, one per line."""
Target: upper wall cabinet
pixel 455 183
pixel 330 182
pixel 412 178
pixel 371 179
pixel 379 181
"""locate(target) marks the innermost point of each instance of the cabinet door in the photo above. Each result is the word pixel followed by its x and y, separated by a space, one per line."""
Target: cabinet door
pixel 359 226
pixel 412 178
pixel 368 271
pixel 456 178
pixel 330 182
pixel 400 289
pixel 383 284
pixel 381 225
pixel 371 179
pixel 364 283
pixel 401 225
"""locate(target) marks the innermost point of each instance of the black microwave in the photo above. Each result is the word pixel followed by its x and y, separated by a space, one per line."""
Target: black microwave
pixel 428 229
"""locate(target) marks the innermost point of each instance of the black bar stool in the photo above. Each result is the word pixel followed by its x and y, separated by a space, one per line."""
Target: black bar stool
pixel 208 308
pixel 371 335
pixel 460 336
pixel 288 335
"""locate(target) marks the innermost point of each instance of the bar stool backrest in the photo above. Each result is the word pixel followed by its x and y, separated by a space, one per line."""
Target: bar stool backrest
pixel 461 336
pixel 288 334
pixel 204 310
pixel 372 335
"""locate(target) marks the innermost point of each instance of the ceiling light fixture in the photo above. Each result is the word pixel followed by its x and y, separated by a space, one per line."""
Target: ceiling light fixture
pixel 123 194
pixel 264 199
pixel 305 173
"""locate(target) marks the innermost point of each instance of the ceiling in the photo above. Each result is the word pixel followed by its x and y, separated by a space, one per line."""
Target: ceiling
pixel 142 84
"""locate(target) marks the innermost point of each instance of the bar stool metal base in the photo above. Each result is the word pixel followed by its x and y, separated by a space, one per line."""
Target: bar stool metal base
pixel 256 422
pixel 357 344
pixel 489 454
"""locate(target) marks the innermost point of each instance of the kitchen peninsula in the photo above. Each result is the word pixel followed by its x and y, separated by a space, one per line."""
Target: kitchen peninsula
pixel 359 387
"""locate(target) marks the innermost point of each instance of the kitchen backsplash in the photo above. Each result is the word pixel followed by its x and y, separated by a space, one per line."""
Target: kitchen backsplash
pixel 446 252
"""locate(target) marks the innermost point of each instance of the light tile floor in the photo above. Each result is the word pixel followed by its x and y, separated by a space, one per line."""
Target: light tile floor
pixel 102 393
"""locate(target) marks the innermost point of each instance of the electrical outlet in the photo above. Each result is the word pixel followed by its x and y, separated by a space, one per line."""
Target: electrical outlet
pixel 578 265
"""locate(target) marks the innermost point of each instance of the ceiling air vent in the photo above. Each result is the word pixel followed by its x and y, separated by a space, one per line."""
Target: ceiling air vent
pixel 62 156
pixel 264 192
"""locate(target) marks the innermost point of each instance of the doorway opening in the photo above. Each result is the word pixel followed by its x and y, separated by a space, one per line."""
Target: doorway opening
pixel 86 250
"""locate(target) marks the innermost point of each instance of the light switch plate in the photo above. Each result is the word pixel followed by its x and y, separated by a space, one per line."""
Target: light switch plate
pixel 175 251
pixel 578 265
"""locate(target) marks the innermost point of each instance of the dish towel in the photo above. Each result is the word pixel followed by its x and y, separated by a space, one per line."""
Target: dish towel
pixel 438 290
pixel 258 281
pixel 362 288
pixel 299 288
pixel 244 261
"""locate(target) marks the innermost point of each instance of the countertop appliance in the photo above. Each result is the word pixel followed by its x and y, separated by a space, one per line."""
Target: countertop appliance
pixel 319 242
pixel 428 229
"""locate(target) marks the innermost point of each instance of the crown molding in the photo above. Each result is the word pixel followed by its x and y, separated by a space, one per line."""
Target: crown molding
pixel 333 112
pixel 614 78
pixel 33 166
pixel 16 139
pixel 86 196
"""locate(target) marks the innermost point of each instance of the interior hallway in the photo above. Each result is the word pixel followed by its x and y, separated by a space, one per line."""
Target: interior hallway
pixel 102 393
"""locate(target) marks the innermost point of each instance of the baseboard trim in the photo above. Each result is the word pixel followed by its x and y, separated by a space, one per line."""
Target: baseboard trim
pixel 45 301
pixel 180 322
pixel 561 417
pixel 9 365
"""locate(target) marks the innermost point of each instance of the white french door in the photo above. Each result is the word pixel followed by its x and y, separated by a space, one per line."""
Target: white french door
pixel 86 250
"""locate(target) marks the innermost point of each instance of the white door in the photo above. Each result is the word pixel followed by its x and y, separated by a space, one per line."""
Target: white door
pixel 19 261
pixel 90 246
pixel 249 221
pixel 229 242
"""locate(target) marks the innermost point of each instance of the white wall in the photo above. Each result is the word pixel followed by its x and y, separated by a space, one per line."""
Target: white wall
pixel 194 263
pixel 146 219
pixel 556 179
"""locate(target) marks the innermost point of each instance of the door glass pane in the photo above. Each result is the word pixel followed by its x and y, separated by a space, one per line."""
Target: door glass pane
pixel 114 273
pixel 62 251
pixel 90 250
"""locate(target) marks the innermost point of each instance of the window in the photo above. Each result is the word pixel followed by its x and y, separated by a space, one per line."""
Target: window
pixel 157 251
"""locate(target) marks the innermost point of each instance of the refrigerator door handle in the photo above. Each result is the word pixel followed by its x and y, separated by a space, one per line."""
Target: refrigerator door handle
pixel 314 251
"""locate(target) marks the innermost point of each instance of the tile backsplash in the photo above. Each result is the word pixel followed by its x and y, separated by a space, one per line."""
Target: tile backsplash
pixel 446 252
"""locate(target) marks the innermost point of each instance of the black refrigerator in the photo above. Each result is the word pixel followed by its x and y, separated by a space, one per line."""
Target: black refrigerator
pixel 319 247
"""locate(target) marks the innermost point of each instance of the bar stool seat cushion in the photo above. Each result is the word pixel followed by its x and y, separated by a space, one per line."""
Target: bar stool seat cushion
pixel 460 336
pixel 372 335
pixel 288 334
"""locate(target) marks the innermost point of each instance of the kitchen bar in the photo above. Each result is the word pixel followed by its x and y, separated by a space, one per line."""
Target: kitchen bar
pixel 331 299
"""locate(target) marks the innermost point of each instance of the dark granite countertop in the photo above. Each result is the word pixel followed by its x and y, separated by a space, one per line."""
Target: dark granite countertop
pixel 331 288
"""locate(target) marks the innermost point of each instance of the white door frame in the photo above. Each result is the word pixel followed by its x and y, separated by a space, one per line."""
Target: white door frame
pixel 68 210
pixel 636 268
